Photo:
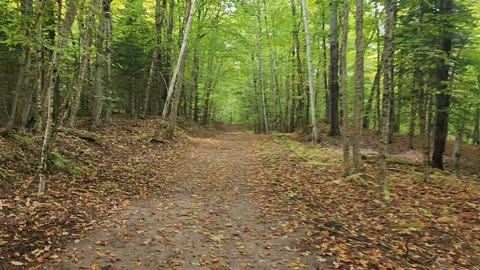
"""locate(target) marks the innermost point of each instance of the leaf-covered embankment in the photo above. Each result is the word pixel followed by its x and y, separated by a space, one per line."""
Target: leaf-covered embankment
pixel 87 181
pixel 422 226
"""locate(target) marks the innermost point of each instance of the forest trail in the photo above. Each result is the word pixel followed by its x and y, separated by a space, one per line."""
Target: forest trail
pixel 211 221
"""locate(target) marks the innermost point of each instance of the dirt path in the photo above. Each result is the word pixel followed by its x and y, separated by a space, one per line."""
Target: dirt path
pixel 212 221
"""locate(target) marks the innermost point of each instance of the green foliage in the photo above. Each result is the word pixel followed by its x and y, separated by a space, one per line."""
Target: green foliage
pixel 58 161
pixel 25 140
pixel 61 163
pixel 34 163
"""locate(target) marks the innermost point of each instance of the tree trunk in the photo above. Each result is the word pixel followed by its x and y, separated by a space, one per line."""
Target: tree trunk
pixel 53 76
pixel 442 98
pixel 175 81
pixel 333 81
pixel 260 67
pixel 359 83
pixel 422 113
pixel 23 76
pixel 77 86
pixel 374 90
pixel 156 58
pixel 324 66
pixel 457 150
pixel 414 104
pixel 195 77
pixel 108 54
pixel 387 92
pixel 98 88
pixel 344 89
pixel 311 89
pixel 476 129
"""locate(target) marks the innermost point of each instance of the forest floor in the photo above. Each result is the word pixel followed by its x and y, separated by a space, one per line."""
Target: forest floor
pixel 230 200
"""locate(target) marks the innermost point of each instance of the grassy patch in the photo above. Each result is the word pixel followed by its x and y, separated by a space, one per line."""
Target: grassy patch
pixel 25 140
pixel 58 161
pixel 313 155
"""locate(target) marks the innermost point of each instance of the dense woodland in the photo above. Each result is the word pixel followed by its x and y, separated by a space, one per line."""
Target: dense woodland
pixel 407 67
pixel 364 143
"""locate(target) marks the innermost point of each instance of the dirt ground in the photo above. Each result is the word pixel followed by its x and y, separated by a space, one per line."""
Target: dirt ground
pixel 211 221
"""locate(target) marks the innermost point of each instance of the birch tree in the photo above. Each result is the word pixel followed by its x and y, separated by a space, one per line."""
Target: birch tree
pixel 311 89
pixel 53 73
pixel 175 83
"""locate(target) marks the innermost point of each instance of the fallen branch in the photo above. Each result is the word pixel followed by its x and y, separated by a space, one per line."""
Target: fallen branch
pixel 82 134
pixel 373 157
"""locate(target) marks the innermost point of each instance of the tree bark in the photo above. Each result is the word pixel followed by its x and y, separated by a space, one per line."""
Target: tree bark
pixel 324 65
pixel 77 86
pixel 156 58
pixel 333 81
pixel 457 150
pixel 99 85
pixel 344 89
pixel 108 54
pixel 53 76
pixel 359 83
pixel 442 98
pixel 387 92
pixel 260 67
pixel 375 88
pixel 23 76
pixel 311 89
pixel 175 81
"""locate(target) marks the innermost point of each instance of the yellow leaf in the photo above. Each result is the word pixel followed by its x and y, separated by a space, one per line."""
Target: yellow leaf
pixel 95 267
pixel 17 263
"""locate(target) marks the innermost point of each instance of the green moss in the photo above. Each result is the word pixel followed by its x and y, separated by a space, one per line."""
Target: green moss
pixel 58 161
pixel 75 170
pixel 25 140
pixel 34 163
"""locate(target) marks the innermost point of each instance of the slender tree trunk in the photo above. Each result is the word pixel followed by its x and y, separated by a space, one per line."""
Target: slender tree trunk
pixel 414 104
pixel 260 67
pixel 156 58
pixel 22 81
pixel 175 81
pixel 476 129
pixel 313 110
pixel 422 113
pixel 324 66
pixel 108 54
pixel 399 99
pixel 457 150
pixel 387 92
pixel 195 79
pixel 377 122
pixel 23 76
pixel 333 82
pixel 344 89
pixel 77 86
pixel 151 76
pixel 375 86
pixel 53 76
pixel 359 83
pixel 98 88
